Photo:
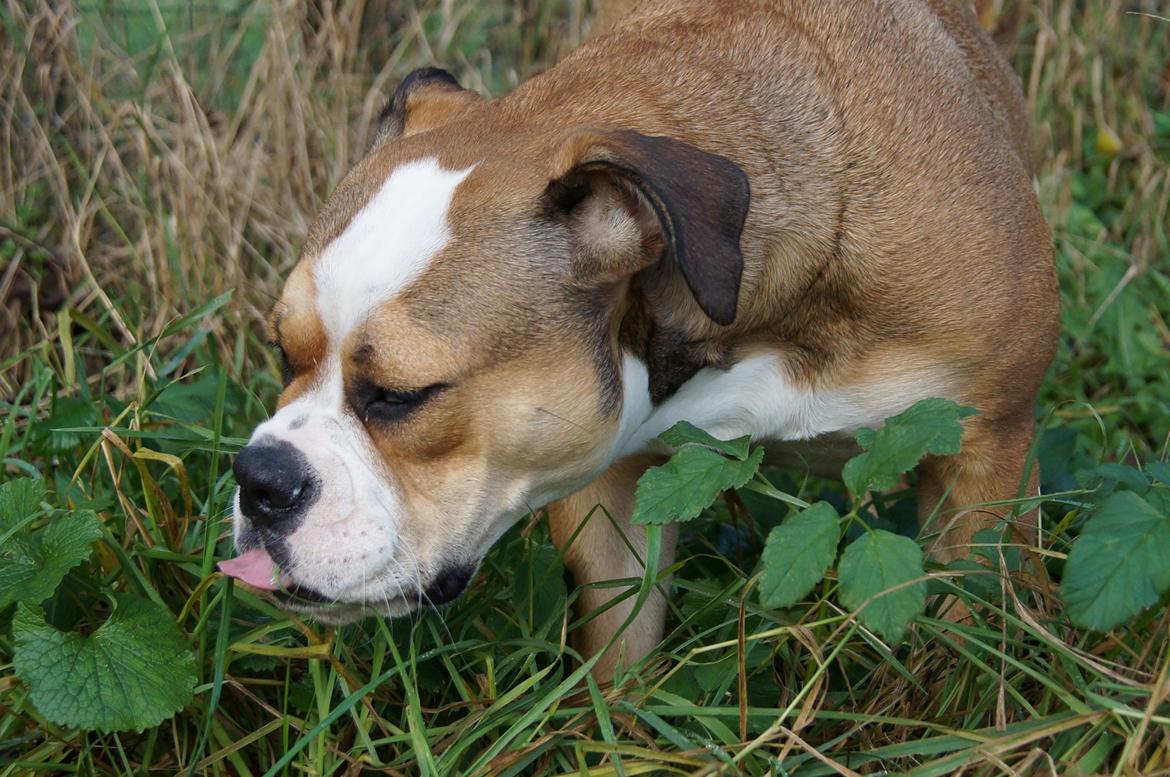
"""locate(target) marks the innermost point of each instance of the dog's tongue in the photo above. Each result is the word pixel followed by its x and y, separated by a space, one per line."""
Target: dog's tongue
pixel 256 568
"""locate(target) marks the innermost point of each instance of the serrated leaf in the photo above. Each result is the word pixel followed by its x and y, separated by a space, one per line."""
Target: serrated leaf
pixel 1119 565
pixel 133 672
pixel 689 482
pixel 797 554
pixel 32 564
pixel 684 433
pixel 929 426
pixel 872 565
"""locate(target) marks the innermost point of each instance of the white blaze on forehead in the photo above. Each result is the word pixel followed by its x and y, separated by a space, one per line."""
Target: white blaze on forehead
pixel 386 246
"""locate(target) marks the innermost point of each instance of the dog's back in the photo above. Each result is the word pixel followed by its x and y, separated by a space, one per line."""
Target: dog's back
pixel 997 82
pixel 889 154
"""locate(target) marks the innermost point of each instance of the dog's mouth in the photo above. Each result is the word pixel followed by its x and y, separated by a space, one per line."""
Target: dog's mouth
pixel 300 595
pixel 257 569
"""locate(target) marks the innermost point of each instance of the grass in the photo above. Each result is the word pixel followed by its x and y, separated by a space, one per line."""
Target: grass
pixel 159 164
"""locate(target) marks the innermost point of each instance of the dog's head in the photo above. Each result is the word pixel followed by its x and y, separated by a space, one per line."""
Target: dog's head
pixel 452 337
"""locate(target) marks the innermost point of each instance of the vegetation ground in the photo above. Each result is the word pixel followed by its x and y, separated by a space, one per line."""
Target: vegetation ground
pixel 159 164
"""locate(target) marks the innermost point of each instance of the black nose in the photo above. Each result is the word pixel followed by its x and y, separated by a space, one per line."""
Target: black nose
pixel 449 583
pixel 276 485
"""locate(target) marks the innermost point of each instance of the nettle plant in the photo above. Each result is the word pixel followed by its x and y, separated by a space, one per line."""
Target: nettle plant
pixel 137 669
pixel 1118 566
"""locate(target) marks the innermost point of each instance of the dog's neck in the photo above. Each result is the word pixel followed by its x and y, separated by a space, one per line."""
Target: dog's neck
pixel 671 354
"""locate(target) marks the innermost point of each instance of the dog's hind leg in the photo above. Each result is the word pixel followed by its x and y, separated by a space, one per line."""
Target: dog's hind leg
pixel 960 495
pixel 593 527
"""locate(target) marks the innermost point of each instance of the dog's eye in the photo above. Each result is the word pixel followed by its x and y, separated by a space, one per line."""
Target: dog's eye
pixel 376 403
pixel 286 371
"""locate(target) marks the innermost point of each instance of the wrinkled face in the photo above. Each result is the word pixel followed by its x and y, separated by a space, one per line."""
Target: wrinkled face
pixel 446 374
pixel 451 342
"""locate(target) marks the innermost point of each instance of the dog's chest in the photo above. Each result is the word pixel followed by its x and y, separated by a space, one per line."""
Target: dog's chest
pixel 756 396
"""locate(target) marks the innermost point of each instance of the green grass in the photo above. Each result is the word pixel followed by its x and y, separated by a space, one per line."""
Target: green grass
pixel 154 158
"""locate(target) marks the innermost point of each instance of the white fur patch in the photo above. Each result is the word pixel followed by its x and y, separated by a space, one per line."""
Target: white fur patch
pixel 757 397
pixel 386 246
pixel 636 407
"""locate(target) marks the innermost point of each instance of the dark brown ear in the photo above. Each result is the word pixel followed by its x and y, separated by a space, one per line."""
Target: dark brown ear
pixel 632 198
pixel 426 98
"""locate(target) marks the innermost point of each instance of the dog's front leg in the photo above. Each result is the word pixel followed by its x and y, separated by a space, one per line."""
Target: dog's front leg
pixel 599 552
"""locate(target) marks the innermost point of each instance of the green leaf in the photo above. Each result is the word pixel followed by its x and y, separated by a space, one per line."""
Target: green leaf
pixel 689 482
pixel 1119 565
pixel 684 433
pixel 929 426
pixel 19 499
pixel 133 672
pixel 872 565
pixel 797 554
pixel 538 585
pixel 33 562
pixel 1160 470
pixel 56 433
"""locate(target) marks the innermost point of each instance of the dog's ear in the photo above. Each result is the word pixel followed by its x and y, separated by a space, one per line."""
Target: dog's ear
pixel 632 199
pixel 426 98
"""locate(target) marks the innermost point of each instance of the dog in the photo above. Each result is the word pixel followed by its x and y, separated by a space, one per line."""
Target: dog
pixel 784 219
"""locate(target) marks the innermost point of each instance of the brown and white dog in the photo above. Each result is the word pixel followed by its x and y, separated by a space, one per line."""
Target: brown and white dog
pixel 789 219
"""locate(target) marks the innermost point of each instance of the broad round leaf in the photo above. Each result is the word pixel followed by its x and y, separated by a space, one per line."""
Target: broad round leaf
pixel 871 566
pixel 1119 565
pixel 797 554
pixel 133 672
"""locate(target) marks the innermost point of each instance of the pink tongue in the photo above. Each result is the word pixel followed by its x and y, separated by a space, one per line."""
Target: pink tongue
pixel 256 568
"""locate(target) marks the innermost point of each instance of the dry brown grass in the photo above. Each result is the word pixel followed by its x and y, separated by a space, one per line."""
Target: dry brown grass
pixel 137 184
